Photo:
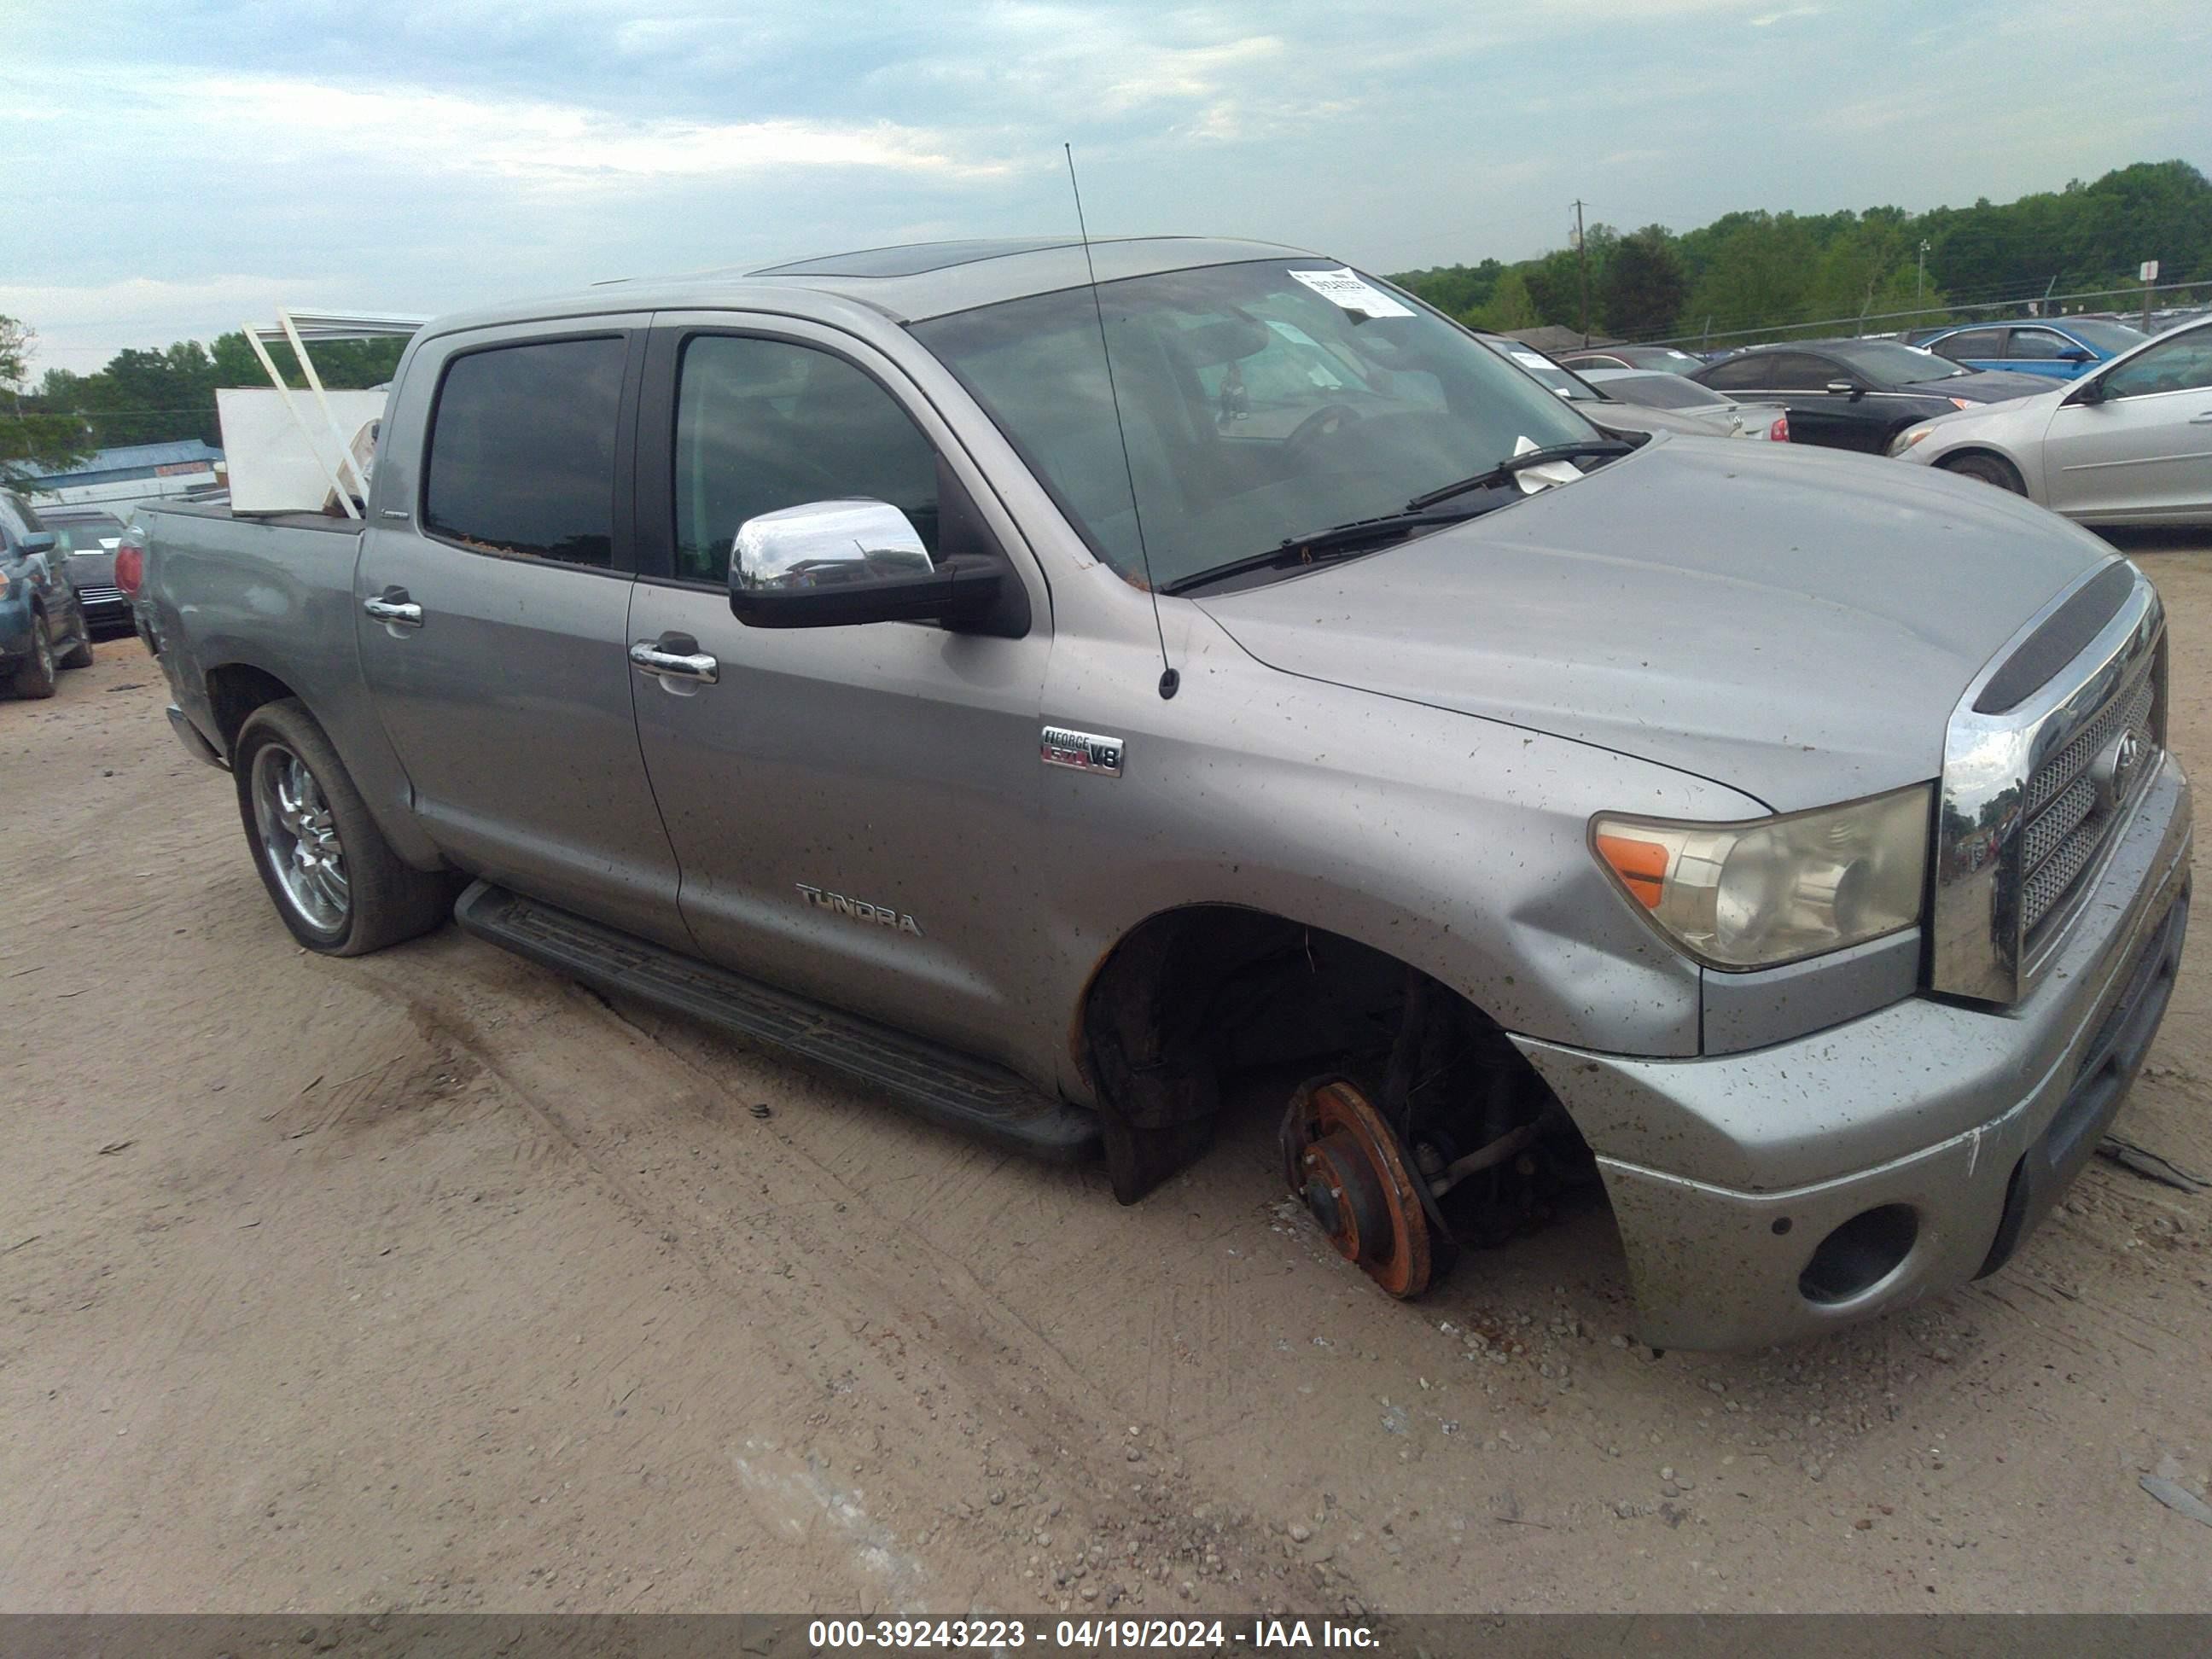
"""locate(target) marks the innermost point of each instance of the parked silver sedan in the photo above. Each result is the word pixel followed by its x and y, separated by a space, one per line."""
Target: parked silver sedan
pixel 1656 389
pixel 2128 443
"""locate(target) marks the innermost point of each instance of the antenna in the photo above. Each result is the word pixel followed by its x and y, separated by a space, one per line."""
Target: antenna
pixel 1170 680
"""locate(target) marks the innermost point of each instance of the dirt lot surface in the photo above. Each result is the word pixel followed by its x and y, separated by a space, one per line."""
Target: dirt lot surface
pixel 430 1281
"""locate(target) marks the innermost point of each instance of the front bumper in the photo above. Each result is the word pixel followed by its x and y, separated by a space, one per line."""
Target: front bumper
pixel 102 605
pixel 1942 1132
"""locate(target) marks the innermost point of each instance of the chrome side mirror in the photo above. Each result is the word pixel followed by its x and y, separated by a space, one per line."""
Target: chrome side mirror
pixel 835 564
pixel 823 544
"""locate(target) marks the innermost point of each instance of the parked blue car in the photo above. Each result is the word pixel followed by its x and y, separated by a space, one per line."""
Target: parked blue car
pixel 2060 349
pixel 41 623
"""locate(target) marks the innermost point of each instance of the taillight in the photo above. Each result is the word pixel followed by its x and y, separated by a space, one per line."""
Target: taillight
pixel 129 566
pixel 1779 432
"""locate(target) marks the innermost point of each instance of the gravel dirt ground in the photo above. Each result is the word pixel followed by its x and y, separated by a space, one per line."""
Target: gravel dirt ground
pixel 430 1281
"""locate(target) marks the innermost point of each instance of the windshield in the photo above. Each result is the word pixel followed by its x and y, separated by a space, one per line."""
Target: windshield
pixel 1888 362
pixel 2112 338
pixel 1260 402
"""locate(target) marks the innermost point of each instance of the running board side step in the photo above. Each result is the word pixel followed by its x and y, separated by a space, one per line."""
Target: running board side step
pixel 937 1083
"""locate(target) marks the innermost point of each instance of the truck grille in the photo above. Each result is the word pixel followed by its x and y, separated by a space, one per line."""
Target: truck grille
pixel 2044 760
pixel 101 596
pixel 2071 812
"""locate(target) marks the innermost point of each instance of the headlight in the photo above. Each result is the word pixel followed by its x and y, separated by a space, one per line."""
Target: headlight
pixel 1772 890
pixel 1906 438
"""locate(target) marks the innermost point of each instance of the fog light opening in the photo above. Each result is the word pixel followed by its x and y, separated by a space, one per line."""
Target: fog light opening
pixel 1860 1254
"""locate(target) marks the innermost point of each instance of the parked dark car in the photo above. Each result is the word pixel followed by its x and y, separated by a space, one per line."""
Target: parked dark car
pixel 41 626
pixel 2057 350
pixel 1663 360
pixel 87 538
pixel 1857 394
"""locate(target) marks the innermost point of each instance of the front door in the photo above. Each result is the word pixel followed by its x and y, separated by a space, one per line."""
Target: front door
pixel 495 598
pixel 2146 447
pixel 1848 419
pixel 854 809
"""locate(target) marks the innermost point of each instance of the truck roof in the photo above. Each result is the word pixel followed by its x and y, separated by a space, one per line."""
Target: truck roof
pixel 906 283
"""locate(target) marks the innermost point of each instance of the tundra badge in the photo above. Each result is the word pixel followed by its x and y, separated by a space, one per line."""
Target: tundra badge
pixel 882 914
pixel 1086 751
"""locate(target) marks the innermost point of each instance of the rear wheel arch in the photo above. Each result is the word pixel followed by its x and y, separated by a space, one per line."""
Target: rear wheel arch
pixel 234 691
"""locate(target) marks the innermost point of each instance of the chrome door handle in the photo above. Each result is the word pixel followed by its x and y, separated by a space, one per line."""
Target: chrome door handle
pixel 649 658
pixel 2205 419
pixel 399 613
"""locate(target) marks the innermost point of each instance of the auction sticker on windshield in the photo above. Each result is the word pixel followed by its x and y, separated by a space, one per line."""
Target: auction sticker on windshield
pixel 1351 291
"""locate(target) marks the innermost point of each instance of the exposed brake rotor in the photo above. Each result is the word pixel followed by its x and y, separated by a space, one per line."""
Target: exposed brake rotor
pixel 1345 1165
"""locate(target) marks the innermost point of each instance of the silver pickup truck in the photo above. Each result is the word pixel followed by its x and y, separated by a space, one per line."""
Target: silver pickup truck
pixel 1079 709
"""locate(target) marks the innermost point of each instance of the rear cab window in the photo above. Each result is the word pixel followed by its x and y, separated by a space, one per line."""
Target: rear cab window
pixel 522 449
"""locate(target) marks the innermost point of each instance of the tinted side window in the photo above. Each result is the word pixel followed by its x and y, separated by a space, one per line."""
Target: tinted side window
pixel 2182 365
pixel 1800 371
pixel 765 425
pixel 522 450
pixel 2036 343
pixel 1740 373
pixel 1972 342
pixel 12 528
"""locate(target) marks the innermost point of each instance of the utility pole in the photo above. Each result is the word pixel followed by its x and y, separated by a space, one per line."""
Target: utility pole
pixel 1582 267
pixel 2148 276
pixel 1920 275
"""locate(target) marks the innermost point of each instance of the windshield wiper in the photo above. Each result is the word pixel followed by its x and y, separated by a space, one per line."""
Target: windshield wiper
pixel 1320 546
pixel 1520 463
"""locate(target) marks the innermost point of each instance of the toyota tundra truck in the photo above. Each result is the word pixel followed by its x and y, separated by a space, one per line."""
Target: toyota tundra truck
pixel 1081 691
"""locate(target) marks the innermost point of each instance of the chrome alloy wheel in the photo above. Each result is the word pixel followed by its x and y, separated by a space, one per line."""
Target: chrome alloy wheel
pixel 300 838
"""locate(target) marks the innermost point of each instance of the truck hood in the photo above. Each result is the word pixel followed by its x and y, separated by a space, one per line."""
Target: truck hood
pixel 1796 624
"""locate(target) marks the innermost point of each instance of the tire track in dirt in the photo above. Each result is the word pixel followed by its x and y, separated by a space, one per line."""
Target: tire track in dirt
pixel 821 1289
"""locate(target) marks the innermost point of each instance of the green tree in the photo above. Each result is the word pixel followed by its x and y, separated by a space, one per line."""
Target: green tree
pixel 32 440
pixel 1509 306
pixel 158 396
pixel 1645 285
pixel 1453 289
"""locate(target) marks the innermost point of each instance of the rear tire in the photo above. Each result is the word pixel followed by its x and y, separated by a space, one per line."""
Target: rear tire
pixel 35 678
pixel 1989 468
pixel 333 878
pixel 80 654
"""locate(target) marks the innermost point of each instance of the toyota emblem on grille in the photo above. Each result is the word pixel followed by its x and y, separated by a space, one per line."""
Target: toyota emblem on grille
pixel 2116 767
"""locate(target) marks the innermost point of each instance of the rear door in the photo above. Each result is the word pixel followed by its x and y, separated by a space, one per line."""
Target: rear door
pixel 494 583
pixel 854 809
pixel 2146 448
pixel 2037 350
pixel 1975 348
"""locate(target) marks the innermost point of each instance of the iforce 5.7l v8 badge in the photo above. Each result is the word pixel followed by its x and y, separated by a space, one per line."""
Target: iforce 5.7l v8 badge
pixel 1086 751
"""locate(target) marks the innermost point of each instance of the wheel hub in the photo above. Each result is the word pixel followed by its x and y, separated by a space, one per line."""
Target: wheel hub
pixel 1344 1164
pixel 300 835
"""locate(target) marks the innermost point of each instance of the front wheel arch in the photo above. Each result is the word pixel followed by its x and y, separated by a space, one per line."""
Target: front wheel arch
pixel 1986 466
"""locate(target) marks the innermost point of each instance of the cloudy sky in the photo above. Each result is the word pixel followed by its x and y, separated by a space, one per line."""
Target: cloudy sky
pixel 176 168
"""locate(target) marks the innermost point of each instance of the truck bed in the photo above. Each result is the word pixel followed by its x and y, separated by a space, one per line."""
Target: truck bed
pixel 222 511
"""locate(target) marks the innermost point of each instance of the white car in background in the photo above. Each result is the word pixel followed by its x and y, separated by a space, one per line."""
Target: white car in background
pixel 2129 442
pixel 1658 389
pixel 1614 407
